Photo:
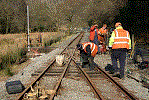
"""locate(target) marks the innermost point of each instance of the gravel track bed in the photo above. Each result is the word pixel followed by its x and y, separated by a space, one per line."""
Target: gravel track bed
pixel 25 74
pixel 75 90
pixel 108 90
pixel 136 88
pixel 48 82
pixel 85 38
pixel 102 60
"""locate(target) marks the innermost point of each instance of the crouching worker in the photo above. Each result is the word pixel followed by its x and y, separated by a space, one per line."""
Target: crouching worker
pixel 88 51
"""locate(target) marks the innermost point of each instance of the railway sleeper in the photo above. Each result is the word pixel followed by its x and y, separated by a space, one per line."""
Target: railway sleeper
pixel 69 74
pixel 72 71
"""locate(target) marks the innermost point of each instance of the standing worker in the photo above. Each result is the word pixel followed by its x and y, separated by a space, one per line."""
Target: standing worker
pixel 103 38
pixel 88 51
pixel 94 38
pixel 120 43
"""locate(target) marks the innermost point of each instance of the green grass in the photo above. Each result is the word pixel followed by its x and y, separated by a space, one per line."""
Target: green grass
pixel 6 41
pixel 14 53
pixel 11 57
pixel 50 42
pixel 8 72
pixel 58 39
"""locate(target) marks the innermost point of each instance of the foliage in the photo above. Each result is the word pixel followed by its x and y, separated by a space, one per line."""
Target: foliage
pixel 14 14
pixel 48 43
pixel 134 18
pixel 53 15
pixel 6 41
pixel 12 57
pixel 8 71
pixel 2 25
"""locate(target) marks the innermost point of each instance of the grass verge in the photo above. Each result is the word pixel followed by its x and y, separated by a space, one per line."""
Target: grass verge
pixel 14 53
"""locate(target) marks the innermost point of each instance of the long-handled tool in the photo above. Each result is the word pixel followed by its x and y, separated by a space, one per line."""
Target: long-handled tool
pixel 132 52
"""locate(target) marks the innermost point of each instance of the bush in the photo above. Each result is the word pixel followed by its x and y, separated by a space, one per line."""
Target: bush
pixel 6 41
pixel 8 71
pixel 12 57
pixel 48 43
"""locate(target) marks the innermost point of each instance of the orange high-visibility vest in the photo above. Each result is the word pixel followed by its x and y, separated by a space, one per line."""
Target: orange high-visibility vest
pixel 94 48
pixel 102 31
pixel 92 33
pixel 121 39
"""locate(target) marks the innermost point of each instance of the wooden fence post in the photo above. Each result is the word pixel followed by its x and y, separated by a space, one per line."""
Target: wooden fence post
pixel 133 39
pixel 42 38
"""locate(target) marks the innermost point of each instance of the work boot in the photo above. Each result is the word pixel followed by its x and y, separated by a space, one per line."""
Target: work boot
pixel 83 66
pixel 122 78
pixel 135 62
pixel 111 72
pixel 116 74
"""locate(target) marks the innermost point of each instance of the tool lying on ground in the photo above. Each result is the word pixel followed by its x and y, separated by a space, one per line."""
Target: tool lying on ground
pixel 132 52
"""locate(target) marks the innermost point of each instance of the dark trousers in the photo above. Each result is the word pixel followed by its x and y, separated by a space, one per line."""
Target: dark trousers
pixel 87 61
pixel 119 54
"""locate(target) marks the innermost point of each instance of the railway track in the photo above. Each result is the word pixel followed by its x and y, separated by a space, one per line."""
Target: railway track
pixel 46 68
pixel 41 89
pixel 144 84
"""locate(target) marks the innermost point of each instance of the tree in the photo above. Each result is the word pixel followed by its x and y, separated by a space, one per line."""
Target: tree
pixel 134 17
pixel 104 11
pixel 39 16
pixel 14 14
pixel 65 12
pixel 6 13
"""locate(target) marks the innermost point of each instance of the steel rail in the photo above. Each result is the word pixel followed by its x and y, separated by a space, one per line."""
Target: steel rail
pixel 145 84
pixel 118 85
pixel 20 97
pixel 63 74
pixel 129 76
pixel 95 90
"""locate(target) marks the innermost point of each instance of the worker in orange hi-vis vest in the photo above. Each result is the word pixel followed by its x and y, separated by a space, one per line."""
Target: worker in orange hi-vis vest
pixel 103 38
pixel 88 51
pixel 94 38
pixel 120 43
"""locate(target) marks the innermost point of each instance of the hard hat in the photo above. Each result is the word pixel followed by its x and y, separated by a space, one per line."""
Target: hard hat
pixel 117 24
